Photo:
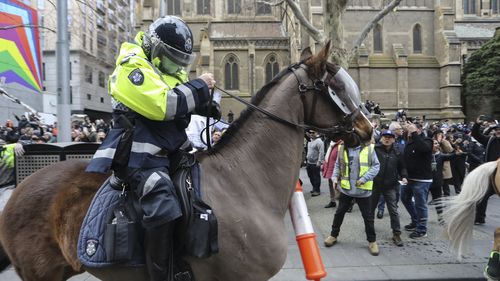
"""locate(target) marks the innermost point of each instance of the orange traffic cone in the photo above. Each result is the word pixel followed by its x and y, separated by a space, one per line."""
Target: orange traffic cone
pixel 306 238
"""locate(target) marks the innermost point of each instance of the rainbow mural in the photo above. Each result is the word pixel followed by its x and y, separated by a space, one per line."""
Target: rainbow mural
pixel 20 60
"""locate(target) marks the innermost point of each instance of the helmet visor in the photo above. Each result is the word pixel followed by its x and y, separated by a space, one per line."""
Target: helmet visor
pixel 160 49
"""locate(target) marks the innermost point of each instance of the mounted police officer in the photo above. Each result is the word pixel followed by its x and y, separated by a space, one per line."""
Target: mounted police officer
pixel 152 100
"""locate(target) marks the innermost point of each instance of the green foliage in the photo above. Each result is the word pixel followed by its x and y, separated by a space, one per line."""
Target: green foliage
pixel 481 73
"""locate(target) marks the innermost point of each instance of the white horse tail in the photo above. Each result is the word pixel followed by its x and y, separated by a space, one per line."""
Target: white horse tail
pixel 460 210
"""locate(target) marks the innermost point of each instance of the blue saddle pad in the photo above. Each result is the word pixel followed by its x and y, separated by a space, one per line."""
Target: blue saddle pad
pixel 90 250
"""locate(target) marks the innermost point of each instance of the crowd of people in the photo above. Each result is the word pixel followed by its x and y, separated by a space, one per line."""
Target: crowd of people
pixel 406 160
pixel 30 130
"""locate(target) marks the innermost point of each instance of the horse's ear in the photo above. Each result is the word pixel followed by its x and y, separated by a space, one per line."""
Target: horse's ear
pixel 325 51
pixel 306 54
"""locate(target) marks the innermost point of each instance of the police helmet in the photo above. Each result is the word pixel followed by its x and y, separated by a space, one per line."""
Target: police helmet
pixel 171 41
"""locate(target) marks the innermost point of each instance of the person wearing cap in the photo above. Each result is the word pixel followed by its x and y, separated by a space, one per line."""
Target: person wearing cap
pixel 492 144
pixel 152 100
pixel 386 183
pixel 356 167
pixel 399 144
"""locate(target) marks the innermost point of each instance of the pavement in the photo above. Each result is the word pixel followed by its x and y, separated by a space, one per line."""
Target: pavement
pixel 424 259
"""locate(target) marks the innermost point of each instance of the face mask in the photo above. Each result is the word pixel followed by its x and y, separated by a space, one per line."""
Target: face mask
pixel 168 67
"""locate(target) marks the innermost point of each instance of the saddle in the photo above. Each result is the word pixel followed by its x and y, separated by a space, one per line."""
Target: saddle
pixel 112 233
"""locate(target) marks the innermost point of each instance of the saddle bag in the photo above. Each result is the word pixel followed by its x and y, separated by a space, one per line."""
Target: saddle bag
pixel 197 229
pixel 122 229
pixel 202 232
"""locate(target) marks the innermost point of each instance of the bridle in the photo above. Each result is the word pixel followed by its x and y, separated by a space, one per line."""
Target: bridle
pixel 317 86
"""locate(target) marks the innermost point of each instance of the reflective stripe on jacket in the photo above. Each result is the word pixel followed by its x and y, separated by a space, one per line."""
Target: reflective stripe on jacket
pixel 139 85
pixel 365 156
pixel 163 105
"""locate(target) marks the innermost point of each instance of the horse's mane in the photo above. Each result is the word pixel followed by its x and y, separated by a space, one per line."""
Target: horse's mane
pixel 245 114
pixel 317 67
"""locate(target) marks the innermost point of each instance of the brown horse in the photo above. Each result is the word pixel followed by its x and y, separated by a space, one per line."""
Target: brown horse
pixel 248 179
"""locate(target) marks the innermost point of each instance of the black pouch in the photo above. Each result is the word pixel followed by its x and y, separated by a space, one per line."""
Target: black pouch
pixel 202 232
pixel 120 235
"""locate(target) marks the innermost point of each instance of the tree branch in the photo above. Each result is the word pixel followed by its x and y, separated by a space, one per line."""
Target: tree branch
pixel 271 3
pixel 369 26
pixel 316 34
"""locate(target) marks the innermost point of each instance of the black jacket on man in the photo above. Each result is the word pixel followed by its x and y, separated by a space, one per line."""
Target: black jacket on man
pixel 418 157
pixel 492 149
pixel 392 166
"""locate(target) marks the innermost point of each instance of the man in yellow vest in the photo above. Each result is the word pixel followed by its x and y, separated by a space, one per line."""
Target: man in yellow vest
pixel 8 152
pixel 153 100
pixel 356 167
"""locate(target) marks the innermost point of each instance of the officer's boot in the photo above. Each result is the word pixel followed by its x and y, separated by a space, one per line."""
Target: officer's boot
pixel 158 245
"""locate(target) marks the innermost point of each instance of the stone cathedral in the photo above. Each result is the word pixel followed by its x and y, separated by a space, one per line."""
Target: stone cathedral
pixel 410 60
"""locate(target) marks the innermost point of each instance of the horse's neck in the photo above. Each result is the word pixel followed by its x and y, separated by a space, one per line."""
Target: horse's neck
pixel 264 156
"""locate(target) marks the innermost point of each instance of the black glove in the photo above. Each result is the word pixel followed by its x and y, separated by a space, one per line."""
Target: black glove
pixel 210 111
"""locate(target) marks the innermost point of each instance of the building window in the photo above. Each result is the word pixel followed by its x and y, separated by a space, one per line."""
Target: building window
pixel 70 95
pixel 272 68
pixel 231 74
pixel 203 7
pixel 43 71
pixel 70 72
pixel 495 6
pixel 417 39
pixel 89 97
pixel 84 41
pixel 91 44
pixel 101 79
pixel 469 7
pixel 102 100
pixel 174 7
pixel 377 39
pixel 234 6
pixel 263 8
pixel 88 74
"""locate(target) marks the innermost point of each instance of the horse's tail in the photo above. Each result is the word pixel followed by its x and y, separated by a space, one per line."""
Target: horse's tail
pixel 460 210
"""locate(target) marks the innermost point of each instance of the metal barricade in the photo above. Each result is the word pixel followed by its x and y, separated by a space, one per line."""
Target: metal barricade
pixel 38 156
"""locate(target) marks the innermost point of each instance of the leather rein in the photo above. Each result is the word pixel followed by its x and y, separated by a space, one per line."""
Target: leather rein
pixel 317 86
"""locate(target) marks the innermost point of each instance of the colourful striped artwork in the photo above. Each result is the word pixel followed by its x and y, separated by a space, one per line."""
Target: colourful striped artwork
pixel 20 56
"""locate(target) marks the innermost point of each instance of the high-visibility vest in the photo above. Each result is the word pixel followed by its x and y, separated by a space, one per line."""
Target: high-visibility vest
pixel 7 155
pixel 365 162
pixel 149 95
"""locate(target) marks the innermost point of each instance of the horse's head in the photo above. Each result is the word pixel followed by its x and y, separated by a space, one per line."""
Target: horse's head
pixel 332 102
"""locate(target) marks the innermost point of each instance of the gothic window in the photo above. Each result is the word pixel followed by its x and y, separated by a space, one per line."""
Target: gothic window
pixel 377 39
pixel 263 8
pixel 272 68
pixel 495 6
pixel 417 39
pixel 469 7
pixel 231 74
pixel 173 7
pixel 203 7
pixel 234 6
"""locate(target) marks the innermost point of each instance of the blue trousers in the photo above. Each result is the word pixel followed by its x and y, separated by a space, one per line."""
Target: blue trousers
pixel 418 209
